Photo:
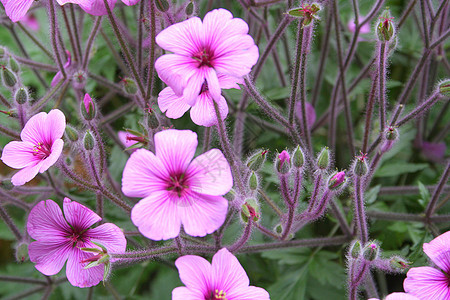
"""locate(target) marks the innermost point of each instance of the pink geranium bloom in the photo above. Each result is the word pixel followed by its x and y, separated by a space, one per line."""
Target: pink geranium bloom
pixel 202 112
pixel 59 239
pixel 16 9
pixel 176 189
pixel 429 282
pixel 92 7
pixel 58 77
pixel 398 296
pixel 40 147
pixel 31 21
pixel 203 50
pixel 223 279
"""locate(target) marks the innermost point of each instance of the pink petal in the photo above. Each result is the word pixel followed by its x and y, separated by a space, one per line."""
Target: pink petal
pixel 184 38
pixel 194 85
pixel 123 139
pixel 401 296
pixel 46 222
pixel 55 125
pixel 26 174
pixel 228 274
pixel 110 236
pixel 95 7
pixel 18 155
pixel 249 293
pixel 438 250
pixel 157 217
pixel 173 105
pixel 310 113
pixel 195 273
pixel 43 128
pixel 56 151
pixel 143 174
pixel 34 128
pixel 210 174
pixel 201 214
pixel 175 149
pixel 50 255
pixel 16 10
pixel 427 283
pixel 79 216
pixel 175 70
pixel 58 77
pixel 203 112
pixel 238 64
pixel 130 2
pixel 229 82
pixel 77 275
pixel 213 84
pixel 183 293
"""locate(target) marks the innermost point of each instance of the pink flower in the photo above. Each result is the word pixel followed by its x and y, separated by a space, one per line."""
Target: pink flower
pixel 310 113
pixel 16 9
pixel 398 296
pixel 92 7
pixel 31 21
pixel 40 147
pixel 58 77
pixel 203 50
pixel 176 189
pixel 130 2
pixel 364 29
pixel 58 240
pixel 223 279
pixel 428 282
pixel 435 152
pixel 202 112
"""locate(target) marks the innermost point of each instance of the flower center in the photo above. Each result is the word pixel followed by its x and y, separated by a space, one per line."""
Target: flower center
pixel 42 150
pixel 217 295
pixel 177 184
pixel 75 238
pixel 205 57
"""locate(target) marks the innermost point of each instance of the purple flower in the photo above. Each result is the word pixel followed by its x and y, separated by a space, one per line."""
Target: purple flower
pixel 428 282
pixel 223 279
pixel 176 189
pixel 92 7
pixel 40 147
pixel 31 21
pixel 435 152
pixel 16 9
pixel 364 29
pixel 202 112
pixel 59 75
pixel 59 239
pixel 201 52
pixel 398 296
pixel 310 113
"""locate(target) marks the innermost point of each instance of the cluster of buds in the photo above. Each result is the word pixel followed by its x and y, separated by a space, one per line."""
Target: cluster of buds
pixel 307 11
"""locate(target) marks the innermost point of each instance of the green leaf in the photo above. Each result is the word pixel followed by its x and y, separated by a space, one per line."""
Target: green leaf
pixel 372 194
pixel 292 285
pixel 394 169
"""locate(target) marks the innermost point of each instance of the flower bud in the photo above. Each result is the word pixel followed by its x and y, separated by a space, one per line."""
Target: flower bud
pixel 71 133
pixel 21 96
pixel 256 160
pixel 360 167
pixel 79 79
pixel 162 5
pixel 283 163
pixel 444 88
pixel 337 181
pixel 385 27
pixel 22 252
pixel 88 109
pixel 371 251
pixel 355 249
pixel 278 229
pixel 298 158
pixel 250 210
pixel 390 137
pixel 189 8
pixel 323 160
pixel 88 141
pixel 9 79
pixel 398 263
pixel 129 85
pixel 253 181
pixel 14 65
pixel 307 11
pixel 152 119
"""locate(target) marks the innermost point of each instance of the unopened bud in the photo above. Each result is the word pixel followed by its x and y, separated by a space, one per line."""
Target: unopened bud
pixel 398 263
pixel 88 109
pixel 129 86
pixel 298 158
pixel 283 162
pixel 307 11
pixel 385 27
pixel 371 251
pixel 253 181
pixel 71 133
pixel 444 88
pixel 355 249
pixel 250 210
pixel 278 229
pixel 22 252
pixel 360 167
pixel 88 141
pixel 323 160
pixel 256 160
pixel 21 96
pixel 9 79
pixel 162 5
pixel 189 8
pixel 79 79
pixel 390 137
pixel 337 181
pixel 152 120
pixel 14 65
